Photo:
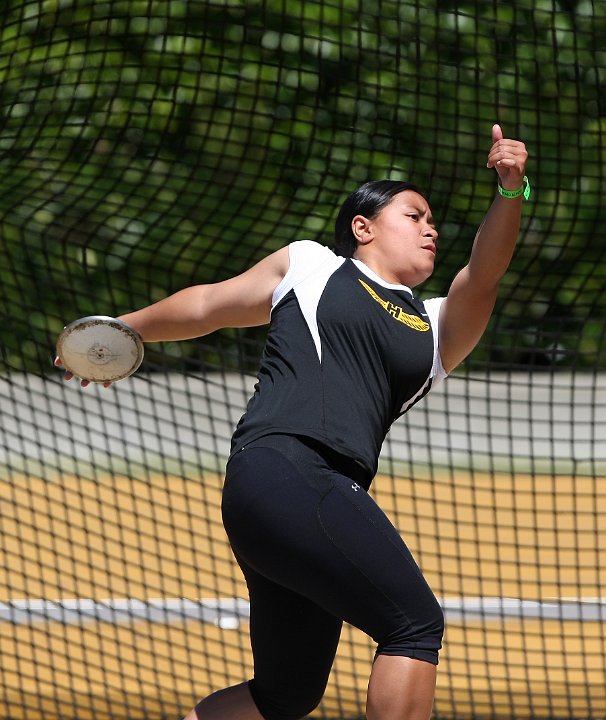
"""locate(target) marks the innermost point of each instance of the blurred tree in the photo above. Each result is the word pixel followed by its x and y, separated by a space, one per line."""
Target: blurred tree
pixel 147 146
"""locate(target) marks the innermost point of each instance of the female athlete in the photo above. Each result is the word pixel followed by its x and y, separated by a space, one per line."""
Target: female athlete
pixel 349 349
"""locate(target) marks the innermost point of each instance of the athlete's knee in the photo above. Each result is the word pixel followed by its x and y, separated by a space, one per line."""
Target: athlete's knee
pixel 420 639
pixel 290 703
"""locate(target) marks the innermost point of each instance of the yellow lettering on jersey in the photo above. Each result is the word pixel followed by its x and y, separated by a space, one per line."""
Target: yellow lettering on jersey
pixel 413 321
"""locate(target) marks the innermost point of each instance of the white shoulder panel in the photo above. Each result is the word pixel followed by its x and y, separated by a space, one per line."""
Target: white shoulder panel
pixel 433 306
pixel 311 266
pixel 437 372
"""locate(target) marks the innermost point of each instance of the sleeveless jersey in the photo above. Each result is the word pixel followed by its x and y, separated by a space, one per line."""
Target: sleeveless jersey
pixel 346 354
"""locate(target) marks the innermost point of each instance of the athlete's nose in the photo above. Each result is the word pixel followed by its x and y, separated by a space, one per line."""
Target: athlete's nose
pixel 431 232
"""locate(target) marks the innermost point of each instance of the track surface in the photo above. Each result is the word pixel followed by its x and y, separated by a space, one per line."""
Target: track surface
pixel 161 537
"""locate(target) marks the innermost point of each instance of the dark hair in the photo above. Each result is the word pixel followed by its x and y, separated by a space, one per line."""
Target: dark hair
pixel 368 201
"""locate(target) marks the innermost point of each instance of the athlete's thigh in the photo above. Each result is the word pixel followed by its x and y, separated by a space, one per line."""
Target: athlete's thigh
pixel 377 581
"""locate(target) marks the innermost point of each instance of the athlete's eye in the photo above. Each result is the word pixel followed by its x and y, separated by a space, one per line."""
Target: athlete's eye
pixel 414 216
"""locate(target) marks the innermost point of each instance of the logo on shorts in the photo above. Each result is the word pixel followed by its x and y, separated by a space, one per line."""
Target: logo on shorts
pixel 355 487
pixel 412 321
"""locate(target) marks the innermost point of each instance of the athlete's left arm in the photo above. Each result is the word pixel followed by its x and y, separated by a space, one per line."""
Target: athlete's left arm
pixel 470 301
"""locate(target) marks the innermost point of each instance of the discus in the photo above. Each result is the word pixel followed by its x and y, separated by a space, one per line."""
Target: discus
pixel 100 349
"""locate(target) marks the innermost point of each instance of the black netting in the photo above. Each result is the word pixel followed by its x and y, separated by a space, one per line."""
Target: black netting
pixel 149 145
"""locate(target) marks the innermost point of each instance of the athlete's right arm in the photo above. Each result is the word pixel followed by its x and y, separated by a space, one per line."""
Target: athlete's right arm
pixel 241 301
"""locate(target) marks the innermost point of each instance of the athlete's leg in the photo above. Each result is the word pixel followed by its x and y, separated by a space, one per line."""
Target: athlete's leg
pixel 401 612
pixel 294 644
pixel 233 703
pixel 400 688
pixel 268 513
pixel 293 640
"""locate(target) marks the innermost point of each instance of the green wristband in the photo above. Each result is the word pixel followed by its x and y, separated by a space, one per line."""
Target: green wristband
pixel 524 190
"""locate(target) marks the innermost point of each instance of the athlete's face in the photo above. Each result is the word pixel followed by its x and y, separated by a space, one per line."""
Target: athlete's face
pixel 399 244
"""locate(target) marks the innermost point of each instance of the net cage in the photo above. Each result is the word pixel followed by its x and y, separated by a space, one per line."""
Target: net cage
pixel 147 146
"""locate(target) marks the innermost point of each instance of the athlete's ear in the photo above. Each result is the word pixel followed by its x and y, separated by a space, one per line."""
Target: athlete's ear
pixel 362 230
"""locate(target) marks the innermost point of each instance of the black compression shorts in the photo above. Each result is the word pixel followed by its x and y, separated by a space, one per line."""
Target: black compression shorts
pixel 316 550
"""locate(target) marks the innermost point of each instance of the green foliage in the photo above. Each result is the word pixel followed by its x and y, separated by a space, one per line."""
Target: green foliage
pixel 150 145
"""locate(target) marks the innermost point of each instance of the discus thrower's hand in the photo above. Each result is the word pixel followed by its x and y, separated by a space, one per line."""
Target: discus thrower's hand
pixel 508 158
pixel 69 375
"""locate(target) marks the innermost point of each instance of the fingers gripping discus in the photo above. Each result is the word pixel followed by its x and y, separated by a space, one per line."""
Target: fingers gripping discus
pixel 100 349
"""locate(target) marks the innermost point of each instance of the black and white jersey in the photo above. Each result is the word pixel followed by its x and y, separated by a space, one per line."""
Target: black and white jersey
pixel 346 354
